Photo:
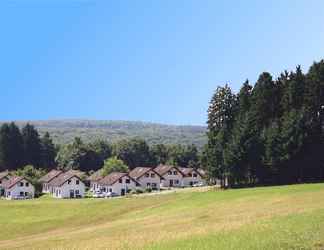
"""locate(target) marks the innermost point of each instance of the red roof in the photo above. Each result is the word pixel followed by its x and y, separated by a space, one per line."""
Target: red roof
pixel 13 180
pixel 113 178
pixel 163 169
pixel 187 171
pixel 50 175
pixel 62 178
pixel 138 172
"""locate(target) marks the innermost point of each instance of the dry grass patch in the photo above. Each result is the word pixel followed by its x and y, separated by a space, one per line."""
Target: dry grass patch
pixel 157 220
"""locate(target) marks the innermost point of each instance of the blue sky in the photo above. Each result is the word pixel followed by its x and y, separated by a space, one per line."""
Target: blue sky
pixel 156 61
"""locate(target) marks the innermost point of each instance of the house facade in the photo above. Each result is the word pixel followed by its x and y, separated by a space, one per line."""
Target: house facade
pixel 46 179
pixel 4 176
pixel 118 183
pixel 147 177
pixel 171 175
pixel 17 187
pixel 192 177
pixel 67 185
pixel 94 180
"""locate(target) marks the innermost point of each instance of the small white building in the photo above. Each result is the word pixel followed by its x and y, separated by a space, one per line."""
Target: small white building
pixel 172 175
pixel 192 177
pixel 147 177
pixel 17 187
pixel 94 180
pixel 67 185
pixel 4 176
pixel 46 179
pixel 118 183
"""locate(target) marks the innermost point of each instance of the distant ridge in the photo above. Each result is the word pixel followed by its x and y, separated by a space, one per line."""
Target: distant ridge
pixel 64 130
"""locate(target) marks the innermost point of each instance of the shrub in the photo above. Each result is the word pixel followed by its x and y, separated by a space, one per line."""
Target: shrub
pixel 139 191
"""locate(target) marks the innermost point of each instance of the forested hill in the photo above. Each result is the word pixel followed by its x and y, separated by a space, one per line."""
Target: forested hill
pixel 63 131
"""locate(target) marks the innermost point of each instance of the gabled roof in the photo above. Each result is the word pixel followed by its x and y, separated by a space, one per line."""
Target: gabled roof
pixel 96 176
pixel 138 172
pixel 202 172
pixel 4 174
pixel 62 178
pixel 50 175
pixel 78 173
pixel 163 169
pixel 187 171
pixel 112 178
pixel 13 180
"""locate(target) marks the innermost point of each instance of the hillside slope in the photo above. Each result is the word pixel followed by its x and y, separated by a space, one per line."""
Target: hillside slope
pixel 287 217
pixel 65 130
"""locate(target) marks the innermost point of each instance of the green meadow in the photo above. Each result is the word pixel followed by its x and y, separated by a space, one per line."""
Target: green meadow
pixel 286 217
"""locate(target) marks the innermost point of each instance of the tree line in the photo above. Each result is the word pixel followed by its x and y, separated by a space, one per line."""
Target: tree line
pixel 269 133
pixel 25 147
pixel 21 147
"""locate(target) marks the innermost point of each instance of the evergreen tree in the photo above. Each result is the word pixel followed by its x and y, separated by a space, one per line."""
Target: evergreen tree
pixel 220 122
pixel 32 145
pixel 264 101
pixel 11 146
pixel 48 152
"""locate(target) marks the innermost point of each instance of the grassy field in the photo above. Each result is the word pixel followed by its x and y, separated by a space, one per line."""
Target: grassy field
pixel 287 217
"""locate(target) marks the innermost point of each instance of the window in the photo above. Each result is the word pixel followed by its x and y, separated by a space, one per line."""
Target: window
pixel 127 180
pixel 147 175
pixel 21 184
pixel 194 175
pixel 137 184
pixel 170 173
pixel 77 182
pixel 27 184
pixel 77 192
pixel 154 185
pixel 21 193
pixel 176 181
pixel 175 172
pixel 190 175
pixel 26 193
pixel 120 180
pixel 69 181
pixel 148 184
pixel 110 189
pixel 152 175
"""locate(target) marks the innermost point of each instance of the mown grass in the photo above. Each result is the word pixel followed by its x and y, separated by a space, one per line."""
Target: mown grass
pixel 287 217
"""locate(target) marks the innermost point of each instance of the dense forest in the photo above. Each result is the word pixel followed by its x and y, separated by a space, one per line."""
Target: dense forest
pixel 65 130
pixel 266 134
pixel 269 133
pixel 22 147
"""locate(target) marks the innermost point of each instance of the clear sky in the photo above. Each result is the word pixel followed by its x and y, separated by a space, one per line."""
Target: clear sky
pixel 156 61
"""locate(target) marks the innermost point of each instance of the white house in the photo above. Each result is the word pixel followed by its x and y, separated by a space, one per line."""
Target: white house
pixel 4 176
pixel 46 179
pixel 192 176
pixel 67 185
pixel 147 177
pixel 17 187
pixel 119 183
pixel 94 180
pixel 172 175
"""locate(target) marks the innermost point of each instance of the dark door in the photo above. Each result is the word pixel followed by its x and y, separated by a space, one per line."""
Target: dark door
pixel 122 191
pixel 171 183
pixel 71 193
